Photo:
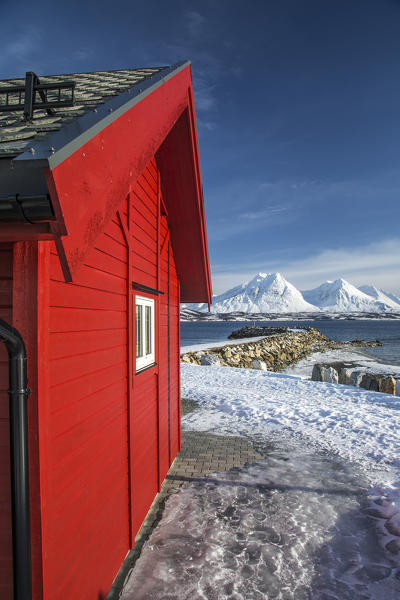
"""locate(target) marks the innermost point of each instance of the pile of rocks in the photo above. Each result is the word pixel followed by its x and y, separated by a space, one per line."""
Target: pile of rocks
pixel 357 375
pixel 280 347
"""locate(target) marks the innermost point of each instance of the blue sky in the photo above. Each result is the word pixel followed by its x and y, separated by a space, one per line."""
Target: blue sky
pixel 298 111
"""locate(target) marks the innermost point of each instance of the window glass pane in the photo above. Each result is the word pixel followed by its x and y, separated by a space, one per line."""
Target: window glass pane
pixel 148 330
pixel 145 355
pixel 139 334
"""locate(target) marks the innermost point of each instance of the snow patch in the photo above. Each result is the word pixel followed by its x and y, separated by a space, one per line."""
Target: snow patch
pixel 220 344
pixel 359 425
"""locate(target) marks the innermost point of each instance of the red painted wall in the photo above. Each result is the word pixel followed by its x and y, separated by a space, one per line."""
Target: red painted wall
pixel 83 424
pixel 103 435
pixel 6 573
pixel 152 403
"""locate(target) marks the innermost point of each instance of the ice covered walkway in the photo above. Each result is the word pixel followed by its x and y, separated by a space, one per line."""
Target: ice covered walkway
pixel 290 524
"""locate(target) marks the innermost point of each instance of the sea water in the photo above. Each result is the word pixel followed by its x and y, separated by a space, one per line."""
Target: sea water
pixel 388 332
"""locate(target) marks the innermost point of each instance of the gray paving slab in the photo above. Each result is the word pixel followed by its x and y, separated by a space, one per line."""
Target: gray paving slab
pixel 202 455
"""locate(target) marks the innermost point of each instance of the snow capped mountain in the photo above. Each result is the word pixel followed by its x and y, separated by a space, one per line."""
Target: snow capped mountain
pixel 392 296
pixel 266 292
pixel 382 296
pixel 342 296
pixel 272 293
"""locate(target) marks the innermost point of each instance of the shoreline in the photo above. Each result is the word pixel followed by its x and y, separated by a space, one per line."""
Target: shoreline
pixel 198 317
pixel 300 352
pixel 275 350
pixel 360 352
pixel 200 335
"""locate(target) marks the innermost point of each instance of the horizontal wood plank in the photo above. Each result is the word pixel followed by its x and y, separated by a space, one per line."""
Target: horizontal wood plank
pixel 75 367
pixel 65 319
pixel 80 296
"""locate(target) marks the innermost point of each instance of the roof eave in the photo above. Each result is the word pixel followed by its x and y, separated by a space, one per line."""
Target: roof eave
pixel 178 161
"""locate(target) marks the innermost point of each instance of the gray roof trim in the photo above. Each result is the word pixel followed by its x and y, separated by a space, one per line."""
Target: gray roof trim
pixel 61 144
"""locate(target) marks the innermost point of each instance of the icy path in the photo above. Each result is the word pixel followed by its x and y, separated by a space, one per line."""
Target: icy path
pixel 292 527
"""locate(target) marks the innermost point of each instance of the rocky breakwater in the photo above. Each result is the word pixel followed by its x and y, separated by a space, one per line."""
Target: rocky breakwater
pixel 358 375
pixel 278 348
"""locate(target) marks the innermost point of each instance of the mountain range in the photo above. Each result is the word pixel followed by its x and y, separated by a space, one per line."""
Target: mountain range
pixel 271 292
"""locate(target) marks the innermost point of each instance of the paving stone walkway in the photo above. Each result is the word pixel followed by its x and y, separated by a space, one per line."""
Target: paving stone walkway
pixel 202 454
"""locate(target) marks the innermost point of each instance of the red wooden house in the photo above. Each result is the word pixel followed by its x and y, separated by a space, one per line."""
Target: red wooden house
pixel 102 233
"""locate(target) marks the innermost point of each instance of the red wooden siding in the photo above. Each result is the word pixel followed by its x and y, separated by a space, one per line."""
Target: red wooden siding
pixel 169 350
pixel 85 489
pixel 107 434
pixel 6 567
pixel 154 421
pixel 174 354
pixel 164 441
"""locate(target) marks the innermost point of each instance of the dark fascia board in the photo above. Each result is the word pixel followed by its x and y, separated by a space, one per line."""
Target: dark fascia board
pixel 61 144
pixel 15 180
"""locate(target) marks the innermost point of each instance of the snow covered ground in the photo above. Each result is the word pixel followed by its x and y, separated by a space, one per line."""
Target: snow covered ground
pixel 358 425
pixel 317 519
pixel 220 343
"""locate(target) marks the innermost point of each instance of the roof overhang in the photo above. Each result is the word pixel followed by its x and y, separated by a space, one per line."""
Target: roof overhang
pixel 91 164
pixel 178 162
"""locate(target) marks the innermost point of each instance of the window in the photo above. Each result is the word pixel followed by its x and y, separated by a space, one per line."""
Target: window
pixel 145 354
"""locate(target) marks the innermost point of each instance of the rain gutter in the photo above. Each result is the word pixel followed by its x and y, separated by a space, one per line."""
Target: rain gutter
pixel 18 394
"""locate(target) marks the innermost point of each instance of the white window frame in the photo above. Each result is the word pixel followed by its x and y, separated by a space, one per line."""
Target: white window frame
pixel 147 358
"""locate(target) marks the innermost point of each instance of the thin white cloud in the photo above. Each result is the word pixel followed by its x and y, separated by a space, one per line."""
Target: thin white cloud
pixel 237 71
pixel 233 225
pixel 204 124
pixel 82 54
pixel 265 213
pixel 204 97
pixel 195 22
pixel 21 52
pixel 206 71
pixel 377 263
pixel 251 207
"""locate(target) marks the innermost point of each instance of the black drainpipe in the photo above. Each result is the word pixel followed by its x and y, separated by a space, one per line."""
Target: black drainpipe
pixel 19 393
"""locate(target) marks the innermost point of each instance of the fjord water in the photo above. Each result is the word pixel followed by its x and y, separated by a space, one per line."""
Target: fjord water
pixel 200 332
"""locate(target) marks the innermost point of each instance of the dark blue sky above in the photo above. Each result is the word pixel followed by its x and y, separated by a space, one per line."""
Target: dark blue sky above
pixel 298 110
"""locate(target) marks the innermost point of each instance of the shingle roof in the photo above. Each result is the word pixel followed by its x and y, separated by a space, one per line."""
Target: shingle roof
pixel 91 90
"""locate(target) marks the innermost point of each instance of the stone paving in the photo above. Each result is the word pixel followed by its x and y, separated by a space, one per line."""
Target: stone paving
pixel 202 454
